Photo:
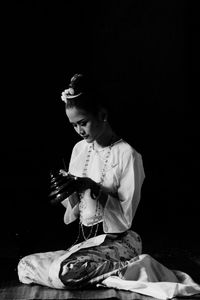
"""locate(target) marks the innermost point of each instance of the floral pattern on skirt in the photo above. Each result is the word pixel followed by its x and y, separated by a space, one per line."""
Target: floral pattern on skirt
pixel 82 264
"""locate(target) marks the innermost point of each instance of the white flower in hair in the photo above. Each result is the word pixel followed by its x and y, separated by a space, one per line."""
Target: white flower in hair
pixel 70 92
pixel 66 94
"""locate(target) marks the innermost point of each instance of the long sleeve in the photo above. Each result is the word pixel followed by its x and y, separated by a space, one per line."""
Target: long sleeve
pixel 119 212
pixel 72 208
pixel 71 203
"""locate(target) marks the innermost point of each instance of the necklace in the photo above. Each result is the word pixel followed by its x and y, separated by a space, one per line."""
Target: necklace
pixel 102 177
pixel 103 173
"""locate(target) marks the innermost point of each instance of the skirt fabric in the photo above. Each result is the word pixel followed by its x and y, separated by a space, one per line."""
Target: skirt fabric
pixel 86 263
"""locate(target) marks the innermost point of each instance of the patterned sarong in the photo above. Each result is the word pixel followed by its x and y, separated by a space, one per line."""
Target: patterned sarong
pixel 85 263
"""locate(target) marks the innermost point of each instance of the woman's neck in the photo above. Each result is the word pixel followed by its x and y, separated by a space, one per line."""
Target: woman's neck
pixel 107 138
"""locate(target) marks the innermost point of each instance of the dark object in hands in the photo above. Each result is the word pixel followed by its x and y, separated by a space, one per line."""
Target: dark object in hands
pixel 61 187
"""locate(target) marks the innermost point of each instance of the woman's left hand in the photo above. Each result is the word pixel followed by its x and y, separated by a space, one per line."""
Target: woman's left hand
pixel 83 183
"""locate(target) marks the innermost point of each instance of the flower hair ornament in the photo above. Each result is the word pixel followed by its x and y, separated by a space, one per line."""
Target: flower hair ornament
pixel 71 92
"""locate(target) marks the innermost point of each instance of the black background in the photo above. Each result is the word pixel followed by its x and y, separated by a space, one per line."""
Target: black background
pixel 146 57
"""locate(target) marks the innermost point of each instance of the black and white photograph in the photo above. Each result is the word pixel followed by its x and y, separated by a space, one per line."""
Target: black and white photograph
pixel 99 150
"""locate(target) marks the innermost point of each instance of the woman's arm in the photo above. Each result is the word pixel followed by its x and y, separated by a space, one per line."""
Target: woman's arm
pixel 119 210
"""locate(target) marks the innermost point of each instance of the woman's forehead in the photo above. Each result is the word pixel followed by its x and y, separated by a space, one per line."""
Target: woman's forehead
pixel 75 114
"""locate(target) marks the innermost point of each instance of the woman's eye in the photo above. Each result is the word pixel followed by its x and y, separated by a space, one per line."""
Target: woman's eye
pixel 83 123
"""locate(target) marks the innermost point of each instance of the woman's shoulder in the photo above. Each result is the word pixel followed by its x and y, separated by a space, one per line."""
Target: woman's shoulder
pixel 79 147
pixel 125 148
pixel 127 153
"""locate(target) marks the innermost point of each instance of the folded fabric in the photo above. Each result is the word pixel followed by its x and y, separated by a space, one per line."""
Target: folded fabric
pixel 149 277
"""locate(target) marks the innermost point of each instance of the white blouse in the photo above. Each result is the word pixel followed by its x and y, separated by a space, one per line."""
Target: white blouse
pixel 124 176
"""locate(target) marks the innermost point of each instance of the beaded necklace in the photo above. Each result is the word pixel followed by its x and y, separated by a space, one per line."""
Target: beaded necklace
pixel 103 173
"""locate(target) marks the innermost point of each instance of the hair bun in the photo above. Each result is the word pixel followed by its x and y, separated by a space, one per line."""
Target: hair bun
pixel 77 83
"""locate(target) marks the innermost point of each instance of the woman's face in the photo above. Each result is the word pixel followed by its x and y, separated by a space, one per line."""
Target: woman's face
pixel 89 126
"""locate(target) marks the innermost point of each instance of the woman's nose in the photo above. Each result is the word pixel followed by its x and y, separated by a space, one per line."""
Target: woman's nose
pixel 80 130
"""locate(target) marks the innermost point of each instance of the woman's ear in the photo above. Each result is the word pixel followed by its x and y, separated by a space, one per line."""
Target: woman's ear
pixel 103 115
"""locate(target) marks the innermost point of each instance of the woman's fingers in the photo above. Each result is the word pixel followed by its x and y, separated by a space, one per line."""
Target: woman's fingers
pixel 63 172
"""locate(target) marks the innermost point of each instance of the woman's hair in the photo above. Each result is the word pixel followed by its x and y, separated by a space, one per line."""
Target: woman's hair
pixel 83 93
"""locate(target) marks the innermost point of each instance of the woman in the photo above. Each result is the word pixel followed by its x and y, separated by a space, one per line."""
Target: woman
pixel 103 192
